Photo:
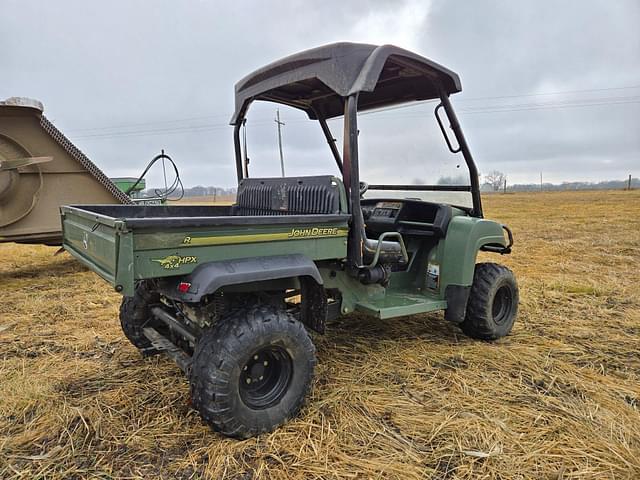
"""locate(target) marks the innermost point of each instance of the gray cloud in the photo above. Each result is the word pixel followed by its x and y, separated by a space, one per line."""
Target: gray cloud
pixel 125 79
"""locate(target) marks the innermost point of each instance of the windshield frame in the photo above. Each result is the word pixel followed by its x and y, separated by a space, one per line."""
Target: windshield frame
pixel 348 168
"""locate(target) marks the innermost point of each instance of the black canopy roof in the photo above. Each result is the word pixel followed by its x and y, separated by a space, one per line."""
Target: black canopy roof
pixel 317 80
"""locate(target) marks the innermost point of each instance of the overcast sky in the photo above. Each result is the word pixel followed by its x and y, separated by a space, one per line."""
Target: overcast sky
pixel 124 79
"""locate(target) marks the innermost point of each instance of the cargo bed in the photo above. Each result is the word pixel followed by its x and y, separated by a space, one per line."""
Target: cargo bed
pixel 125 243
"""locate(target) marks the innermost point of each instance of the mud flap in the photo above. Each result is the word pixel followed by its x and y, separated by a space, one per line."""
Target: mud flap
pixel 456 297
pixel 314 308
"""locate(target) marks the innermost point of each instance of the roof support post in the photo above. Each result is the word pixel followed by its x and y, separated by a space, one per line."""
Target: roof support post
pixel 238 150
pixel 466 153
pixel 351 178
pixel 330 140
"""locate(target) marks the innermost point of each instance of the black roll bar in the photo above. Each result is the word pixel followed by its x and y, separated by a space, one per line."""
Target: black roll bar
pixel 351 175
pixel 238 151
pixel 331 141
pixel 242 168
pixel 349 166
pixel 462 147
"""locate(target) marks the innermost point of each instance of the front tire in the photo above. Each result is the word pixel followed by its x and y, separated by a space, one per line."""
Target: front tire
pixel 251 371
pixel 493 302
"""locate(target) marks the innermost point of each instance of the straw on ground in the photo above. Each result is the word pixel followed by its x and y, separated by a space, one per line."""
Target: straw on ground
pixel 405 398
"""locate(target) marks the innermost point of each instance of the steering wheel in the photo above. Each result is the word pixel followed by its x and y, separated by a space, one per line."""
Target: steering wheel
pixel 364 186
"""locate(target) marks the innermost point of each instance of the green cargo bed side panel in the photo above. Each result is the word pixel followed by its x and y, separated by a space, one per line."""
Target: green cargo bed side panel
pixel 180 261
pixel 95 244
pixel 122 253
pixel 124 280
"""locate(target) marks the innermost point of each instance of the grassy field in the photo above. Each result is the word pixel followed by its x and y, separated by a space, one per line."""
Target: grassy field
pixel 199 200
pixel 406 398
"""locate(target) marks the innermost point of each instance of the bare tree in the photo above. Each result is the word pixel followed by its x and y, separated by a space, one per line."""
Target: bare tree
pixel 453 180
pixel 496 179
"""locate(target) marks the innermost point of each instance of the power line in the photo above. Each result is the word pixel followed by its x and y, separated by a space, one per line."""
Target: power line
pixel 144 124
pixel 187 119
pixel 165 130
pixel 523 107
pixel 560 101
pixel 487 109
pixel 566 92
pixel 160 131
pixel 207 128
pixel 533 107
pixel 524 95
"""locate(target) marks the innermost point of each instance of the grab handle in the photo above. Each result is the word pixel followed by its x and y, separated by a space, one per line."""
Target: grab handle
pixel 376 255
pixel 444 132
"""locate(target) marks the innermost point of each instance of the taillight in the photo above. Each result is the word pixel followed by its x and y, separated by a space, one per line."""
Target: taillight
pixel 183 287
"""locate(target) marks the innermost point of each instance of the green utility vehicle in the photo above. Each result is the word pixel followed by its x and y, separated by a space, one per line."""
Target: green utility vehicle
pixel 231 292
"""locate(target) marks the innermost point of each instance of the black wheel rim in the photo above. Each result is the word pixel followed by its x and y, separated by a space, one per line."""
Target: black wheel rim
pixel 264 379
pixel 502 302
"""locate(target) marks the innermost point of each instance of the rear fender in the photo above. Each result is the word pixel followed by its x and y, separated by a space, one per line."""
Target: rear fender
pixel 210 277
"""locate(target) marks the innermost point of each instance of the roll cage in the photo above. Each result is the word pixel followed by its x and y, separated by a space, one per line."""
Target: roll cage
pixel 342 79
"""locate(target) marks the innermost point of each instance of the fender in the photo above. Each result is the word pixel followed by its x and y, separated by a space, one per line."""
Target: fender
pixel 209 277
pixel 465 236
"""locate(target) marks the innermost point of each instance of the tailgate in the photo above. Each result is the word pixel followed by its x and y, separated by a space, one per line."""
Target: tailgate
pixel 93 239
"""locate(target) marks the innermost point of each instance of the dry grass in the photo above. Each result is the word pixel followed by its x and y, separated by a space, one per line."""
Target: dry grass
pixel 199 200
pixel 409 398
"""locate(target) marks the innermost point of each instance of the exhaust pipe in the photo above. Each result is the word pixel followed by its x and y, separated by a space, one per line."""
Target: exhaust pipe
pixel 173 324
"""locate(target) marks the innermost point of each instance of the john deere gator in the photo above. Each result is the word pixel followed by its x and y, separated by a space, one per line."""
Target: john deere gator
pixel 231 293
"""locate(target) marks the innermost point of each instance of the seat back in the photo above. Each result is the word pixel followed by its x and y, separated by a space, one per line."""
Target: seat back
pixel 288 196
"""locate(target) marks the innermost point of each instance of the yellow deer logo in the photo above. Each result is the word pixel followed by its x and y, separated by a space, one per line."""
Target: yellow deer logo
pixel 172 262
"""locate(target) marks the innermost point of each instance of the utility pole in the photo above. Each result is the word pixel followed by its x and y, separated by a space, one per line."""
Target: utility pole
pixel 540 181
pixel 629 183
pixel 505 185
pixel 277 120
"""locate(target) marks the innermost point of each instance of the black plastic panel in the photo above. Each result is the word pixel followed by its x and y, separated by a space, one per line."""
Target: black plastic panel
pixel 409 217
pixel 288 196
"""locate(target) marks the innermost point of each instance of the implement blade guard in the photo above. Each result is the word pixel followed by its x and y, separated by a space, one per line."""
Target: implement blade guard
pixel 40 169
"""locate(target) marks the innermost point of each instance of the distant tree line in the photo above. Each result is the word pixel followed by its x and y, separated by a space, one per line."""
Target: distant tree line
pixel 497 181
pixel 493 181
pixel 604 185
pixel 200 191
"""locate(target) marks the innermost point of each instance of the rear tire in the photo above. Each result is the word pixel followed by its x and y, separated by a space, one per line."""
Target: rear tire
pixel 251 371
pixel 493 302
pixel 135 313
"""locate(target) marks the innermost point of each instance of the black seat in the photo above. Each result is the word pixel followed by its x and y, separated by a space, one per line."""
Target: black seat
pixel 288 196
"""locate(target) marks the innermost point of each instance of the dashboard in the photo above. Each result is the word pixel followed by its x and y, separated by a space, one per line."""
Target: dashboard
pixel 409 217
